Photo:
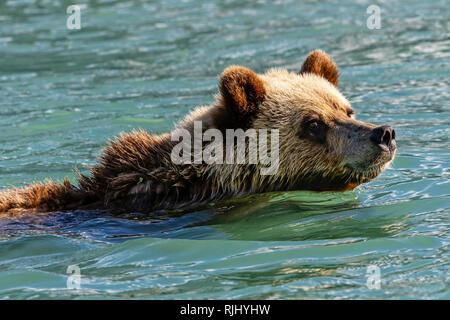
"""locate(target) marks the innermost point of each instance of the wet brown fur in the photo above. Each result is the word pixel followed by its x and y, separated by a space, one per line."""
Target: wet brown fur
pixel 135 171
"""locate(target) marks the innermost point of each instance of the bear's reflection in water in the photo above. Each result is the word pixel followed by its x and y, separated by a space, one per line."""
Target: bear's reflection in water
pixel 275 216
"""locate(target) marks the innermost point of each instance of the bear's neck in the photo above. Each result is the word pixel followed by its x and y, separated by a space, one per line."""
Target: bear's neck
pixel 136 172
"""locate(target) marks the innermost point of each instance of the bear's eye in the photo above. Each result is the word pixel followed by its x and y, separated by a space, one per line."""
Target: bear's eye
pixel 313 126
pixel 314 130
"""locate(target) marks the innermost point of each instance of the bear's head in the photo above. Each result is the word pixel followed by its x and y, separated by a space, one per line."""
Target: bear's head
pixel 321 144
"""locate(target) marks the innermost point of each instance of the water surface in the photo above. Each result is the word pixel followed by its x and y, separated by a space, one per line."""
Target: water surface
pixel 145 64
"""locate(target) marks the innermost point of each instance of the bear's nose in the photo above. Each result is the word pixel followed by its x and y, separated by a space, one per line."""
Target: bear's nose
pixel 383 135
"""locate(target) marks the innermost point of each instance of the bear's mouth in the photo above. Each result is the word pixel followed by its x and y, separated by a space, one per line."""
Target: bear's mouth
pixel 346 178
pixel 368 170
pixel 362 173
pixel 365 174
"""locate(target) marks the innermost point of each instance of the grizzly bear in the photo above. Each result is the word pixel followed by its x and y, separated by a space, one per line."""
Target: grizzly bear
pixel 322 147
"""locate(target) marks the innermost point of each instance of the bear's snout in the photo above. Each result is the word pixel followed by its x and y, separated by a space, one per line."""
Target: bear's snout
pixel 384 137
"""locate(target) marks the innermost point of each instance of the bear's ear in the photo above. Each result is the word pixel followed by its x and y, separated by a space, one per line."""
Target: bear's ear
pixel 242 91
pixel 320 63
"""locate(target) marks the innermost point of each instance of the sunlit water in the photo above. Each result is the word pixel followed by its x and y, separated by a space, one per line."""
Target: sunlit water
pixel 137 64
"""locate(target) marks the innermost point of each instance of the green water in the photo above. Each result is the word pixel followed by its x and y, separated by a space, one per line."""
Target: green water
pixel 137 64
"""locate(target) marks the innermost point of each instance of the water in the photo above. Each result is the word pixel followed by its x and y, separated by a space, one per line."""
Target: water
pixel 137 64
